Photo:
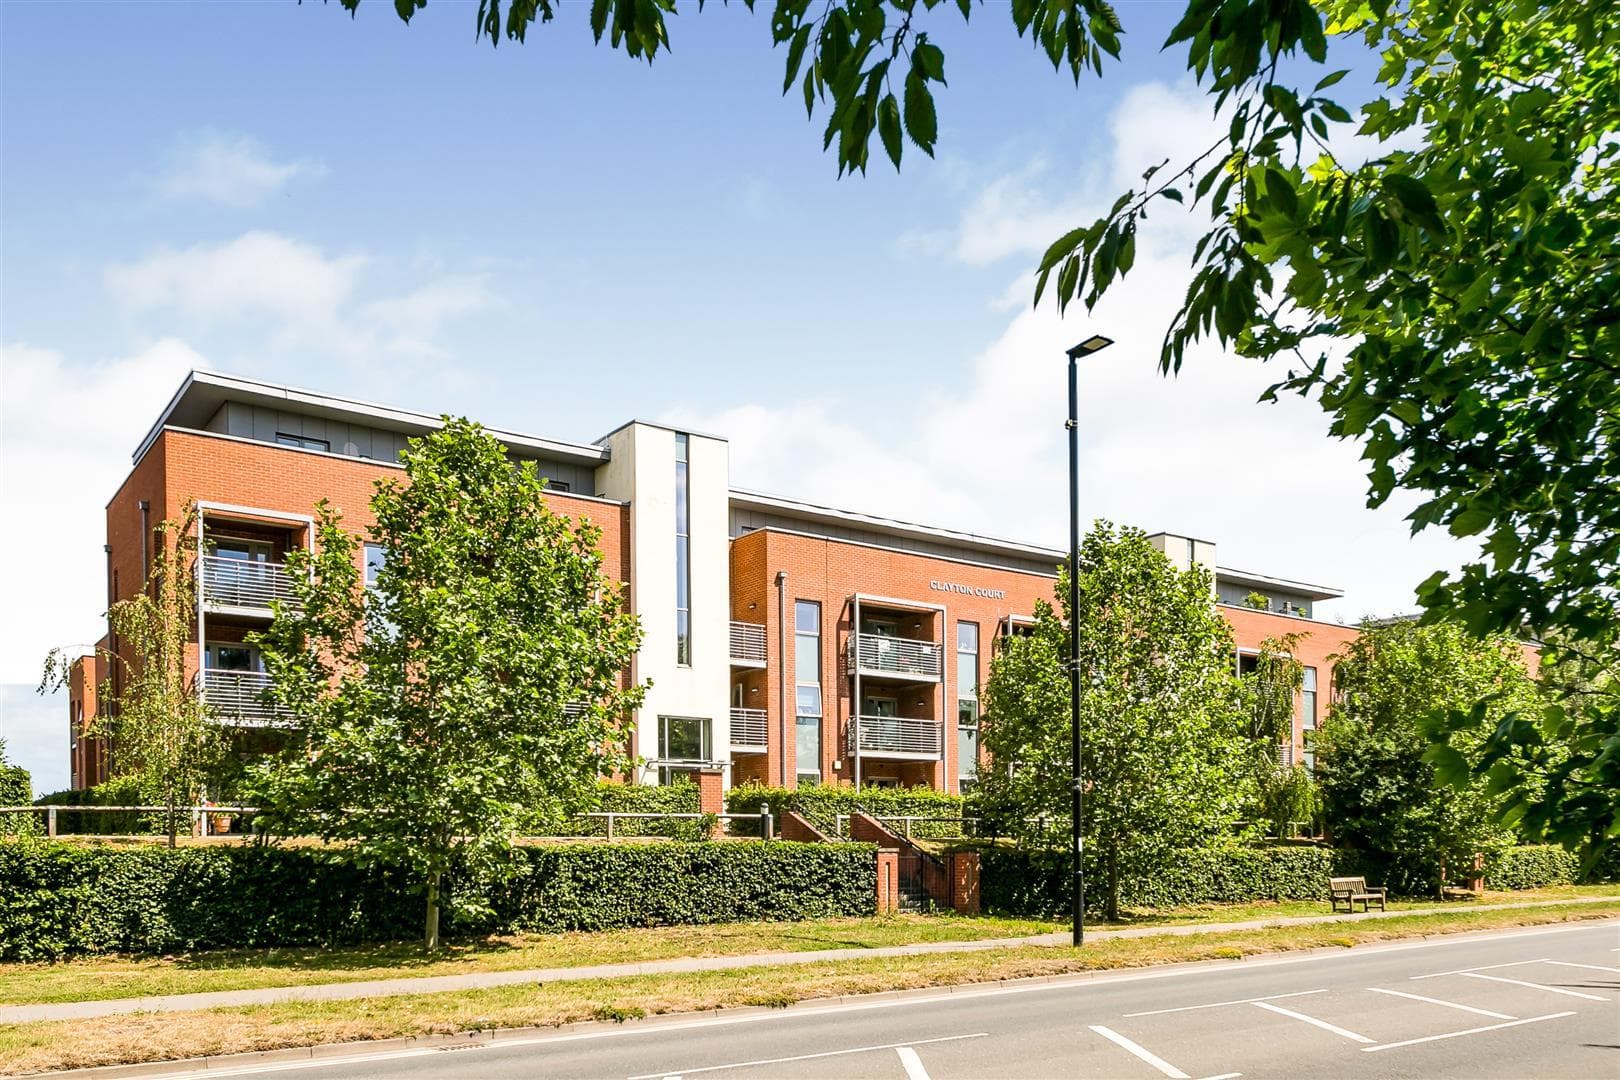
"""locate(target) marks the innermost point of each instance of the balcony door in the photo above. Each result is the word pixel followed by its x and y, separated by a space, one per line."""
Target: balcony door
pixel 883 707
pixel 232 656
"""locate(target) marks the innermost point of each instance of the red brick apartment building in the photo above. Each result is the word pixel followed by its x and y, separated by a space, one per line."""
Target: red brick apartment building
pixel 787 643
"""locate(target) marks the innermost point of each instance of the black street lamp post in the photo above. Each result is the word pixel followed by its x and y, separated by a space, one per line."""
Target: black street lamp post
pixel 1093 344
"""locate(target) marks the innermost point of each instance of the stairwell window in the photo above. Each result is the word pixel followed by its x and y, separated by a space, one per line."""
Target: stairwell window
pixel 683 552
pixel 967 702
pixel 807 691
pixel 1307 701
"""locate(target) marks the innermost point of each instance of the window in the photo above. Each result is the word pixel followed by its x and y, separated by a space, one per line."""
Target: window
pixel 807 657
pixel 681 739
pixel 1307 698
pixel 283 439
pixel 807 750
pixel 562 486
pixel 967 699
pixel 231 657
pixel 683 553
pixel 376 556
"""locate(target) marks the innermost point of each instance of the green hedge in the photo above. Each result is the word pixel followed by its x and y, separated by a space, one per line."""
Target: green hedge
pixel 119 791
pixel 824 803
pixel 1532 866
pixel 16 786
pixel 1015 882
pixel 680 797
pixel 63 899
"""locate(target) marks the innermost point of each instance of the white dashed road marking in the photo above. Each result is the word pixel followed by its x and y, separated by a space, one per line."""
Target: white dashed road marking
pixel 1458 1034
pixel 1483 967
pixel 808 1057
pixel 1589 967
pixel 913 1064
pixel 1447 1004
pixel 1141 1052
pixel 1323 1024
pixel 1533 986
pixel 1218 1004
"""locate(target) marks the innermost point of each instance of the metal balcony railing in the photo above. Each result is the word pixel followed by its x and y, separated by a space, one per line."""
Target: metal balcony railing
pixel 240 583
pixel 896 656
pixel 238 698
pixel 748 644
pixel 748 728
pixel 899 735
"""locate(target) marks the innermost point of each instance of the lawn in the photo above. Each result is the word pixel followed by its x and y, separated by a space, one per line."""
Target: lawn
pixel 120 977
pixel 66 1044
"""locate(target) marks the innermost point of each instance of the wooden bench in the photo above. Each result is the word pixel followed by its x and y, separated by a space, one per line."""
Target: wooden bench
pixel 1347 890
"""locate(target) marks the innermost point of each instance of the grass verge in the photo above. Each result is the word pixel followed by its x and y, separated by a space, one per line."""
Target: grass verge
pixel 102 978
pixel 109 1040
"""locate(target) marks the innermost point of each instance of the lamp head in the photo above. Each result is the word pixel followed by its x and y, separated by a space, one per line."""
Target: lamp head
pixel 1092 344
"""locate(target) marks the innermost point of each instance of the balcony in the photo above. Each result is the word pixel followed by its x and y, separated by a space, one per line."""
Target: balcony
pixel 747 645
pixel 748 731
pixel 237 698
pixel 898 737
pixel 899 658
pixel 242 586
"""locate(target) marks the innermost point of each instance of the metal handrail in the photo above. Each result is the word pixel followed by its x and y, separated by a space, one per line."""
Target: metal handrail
pixel 897 735
pixel 897 655
pixel 748 727
pixel 748 642
pixel 242 583
pixel 239 696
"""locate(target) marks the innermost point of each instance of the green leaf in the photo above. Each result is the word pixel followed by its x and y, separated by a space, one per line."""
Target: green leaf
pixel 1470 522
pixel 929 60
pixel 1415 200
pixel 795 54
pixel 888 125
pixel 921 123
pixel 1281 192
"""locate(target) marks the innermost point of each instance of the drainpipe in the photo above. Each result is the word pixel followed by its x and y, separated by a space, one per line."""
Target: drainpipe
pixel 781 675
pixel 146 539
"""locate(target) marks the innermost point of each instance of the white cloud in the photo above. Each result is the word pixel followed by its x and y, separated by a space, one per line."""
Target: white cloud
pixel 235 170
pixel 66 433
pixel 1195 454
pixel 303 295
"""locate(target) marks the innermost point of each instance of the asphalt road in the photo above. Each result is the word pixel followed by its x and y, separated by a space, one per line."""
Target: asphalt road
pixel 1538 1003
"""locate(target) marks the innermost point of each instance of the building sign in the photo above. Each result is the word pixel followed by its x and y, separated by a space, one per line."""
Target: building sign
pixel 968 590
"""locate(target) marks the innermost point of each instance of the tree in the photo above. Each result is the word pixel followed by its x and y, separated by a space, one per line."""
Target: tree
pixel 1381 793
pixel 1283 793
pixel 156 724
pixel 1451 301
pixel 476 684
pixel 1162 713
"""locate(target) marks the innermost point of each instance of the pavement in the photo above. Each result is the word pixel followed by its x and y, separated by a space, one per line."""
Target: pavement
pixel 1543 1002
pixel 435 984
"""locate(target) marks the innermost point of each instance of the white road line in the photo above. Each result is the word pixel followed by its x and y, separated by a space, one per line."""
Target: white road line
pixel 1589 967
pixel 1482 967
pixel 1447 1004
pixel 811 1057
pixel 1458 1034
pixel 1141 1052
pixel 1218 1004
pixel 913 1063
pixel 1534 986
pixel 1323 1024
pixel 1223 1076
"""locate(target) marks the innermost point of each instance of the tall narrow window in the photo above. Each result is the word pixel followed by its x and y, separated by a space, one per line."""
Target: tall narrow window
pixel 683 552
pixel 1307 700
pixel 376 555
pixel 807 687
pixel 967 702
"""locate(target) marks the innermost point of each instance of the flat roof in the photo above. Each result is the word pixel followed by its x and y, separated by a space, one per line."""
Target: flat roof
pixel 1266 581
pixel 201 394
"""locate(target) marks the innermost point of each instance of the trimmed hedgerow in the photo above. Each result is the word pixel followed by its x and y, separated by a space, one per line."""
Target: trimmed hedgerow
pixel 63 899
pixel 824 803
pixel 1015 882
pixel 1532 866
pixel 118 791
pixel 681 797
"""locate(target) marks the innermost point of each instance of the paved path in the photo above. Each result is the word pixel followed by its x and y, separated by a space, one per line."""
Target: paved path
pixel 433 984
pixel 1541 1002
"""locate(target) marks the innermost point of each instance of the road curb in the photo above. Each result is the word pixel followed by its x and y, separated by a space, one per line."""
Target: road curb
pixel 471 1039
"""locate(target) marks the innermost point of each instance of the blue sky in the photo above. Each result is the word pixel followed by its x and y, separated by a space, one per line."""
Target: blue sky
pixel 554 238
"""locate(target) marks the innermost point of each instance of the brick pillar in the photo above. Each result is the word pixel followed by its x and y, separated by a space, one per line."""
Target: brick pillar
pixel 711 791
pixel 888 880
pixel 965 882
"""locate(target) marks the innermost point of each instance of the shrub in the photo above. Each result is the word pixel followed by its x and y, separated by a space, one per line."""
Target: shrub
pixel 1532 866
pixel 1036 883
pixel 16 786
pixel 62 899
pixel 119 791
pixel 823 804
pixel 680 797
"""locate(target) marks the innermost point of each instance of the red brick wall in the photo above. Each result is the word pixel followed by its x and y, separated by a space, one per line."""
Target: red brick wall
pixel 964 867
pixel 888 880
pixel 1320 641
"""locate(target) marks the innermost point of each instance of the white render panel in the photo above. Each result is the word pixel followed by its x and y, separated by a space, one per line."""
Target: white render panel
pixel 641 471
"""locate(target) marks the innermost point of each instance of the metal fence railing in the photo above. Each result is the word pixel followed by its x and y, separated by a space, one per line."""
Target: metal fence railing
pixel 748 728
pixel 748 644
pixel 897 656
pixel 898 735
pixel 243 583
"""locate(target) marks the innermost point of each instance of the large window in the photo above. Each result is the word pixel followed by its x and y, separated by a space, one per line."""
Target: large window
pixel 284 439
pixel 807 749
pixel 807 657
pixel 683 744
pixel 967 700
pixel 1307 699
pixel 683 551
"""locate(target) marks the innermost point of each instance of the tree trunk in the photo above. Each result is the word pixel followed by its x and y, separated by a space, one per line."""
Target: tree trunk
pixel 174 826
pixel 430 937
